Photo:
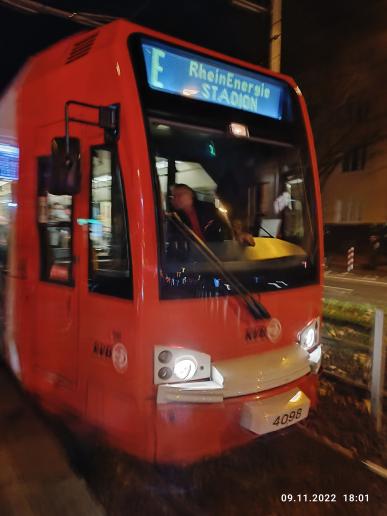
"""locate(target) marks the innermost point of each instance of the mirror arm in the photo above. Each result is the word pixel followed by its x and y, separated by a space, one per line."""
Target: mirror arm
pixel 108 119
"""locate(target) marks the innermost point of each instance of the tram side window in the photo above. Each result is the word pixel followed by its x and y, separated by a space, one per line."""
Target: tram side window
pixel 109 260
pixel 55 229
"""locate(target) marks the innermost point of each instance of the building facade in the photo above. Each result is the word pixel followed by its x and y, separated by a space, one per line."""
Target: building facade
pixel 338 54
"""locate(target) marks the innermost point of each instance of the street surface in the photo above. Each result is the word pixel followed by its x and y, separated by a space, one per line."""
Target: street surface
pixel 35 476
pixel 36 479
pixel 251 481
pixel 356 288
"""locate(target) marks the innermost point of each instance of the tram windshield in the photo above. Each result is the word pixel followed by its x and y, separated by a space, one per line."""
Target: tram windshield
pixel 249 200
pixel 246 193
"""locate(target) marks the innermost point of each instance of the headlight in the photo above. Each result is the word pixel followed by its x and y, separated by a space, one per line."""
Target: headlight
pixel 308 338
pixel 173 365
pixel 165 373
pixel 185 368
pixel 165 356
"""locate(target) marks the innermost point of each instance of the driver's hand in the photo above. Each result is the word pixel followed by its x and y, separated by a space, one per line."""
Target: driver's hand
pixel 246 239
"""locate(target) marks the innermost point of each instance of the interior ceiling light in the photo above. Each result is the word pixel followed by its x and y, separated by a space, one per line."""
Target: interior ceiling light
pixel 239 129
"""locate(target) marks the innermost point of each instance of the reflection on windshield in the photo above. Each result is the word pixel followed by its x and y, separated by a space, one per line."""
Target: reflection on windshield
pixel 249 201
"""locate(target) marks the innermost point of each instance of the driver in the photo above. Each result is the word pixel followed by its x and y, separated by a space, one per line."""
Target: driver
pixel 203 217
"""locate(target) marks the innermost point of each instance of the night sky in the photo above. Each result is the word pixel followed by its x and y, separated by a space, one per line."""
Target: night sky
pixel 313 33
pixel 214 24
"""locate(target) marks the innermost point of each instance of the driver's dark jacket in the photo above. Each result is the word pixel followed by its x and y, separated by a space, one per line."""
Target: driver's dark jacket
pixel 213 227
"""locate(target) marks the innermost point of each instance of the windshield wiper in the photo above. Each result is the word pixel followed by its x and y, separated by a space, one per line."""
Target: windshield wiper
pixel 267 233
pixel 256 309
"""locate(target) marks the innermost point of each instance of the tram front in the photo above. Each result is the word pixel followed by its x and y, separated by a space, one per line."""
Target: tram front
pixel 239 233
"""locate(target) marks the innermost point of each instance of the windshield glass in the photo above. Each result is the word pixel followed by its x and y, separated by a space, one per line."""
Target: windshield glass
pixel 250 201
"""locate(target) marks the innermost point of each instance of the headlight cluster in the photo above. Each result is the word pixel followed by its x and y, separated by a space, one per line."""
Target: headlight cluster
pixel 173 365
pixel 308 338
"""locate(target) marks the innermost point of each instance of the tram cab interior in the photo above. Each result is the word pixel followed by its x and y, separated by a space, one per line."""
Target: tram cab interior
pixel 261 188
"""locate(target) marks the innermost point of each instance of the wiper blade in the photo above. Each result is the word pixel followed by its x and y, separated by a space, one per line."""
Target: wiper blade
pixel 256 309
pixel 267 233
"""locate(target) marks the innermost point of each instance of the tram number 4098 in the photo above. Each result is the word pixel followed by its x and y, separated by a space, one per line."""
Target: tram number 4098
pixel 288 418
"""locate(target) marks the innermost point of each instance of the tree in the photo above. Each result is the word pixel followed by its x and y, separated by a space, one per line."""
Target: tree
pixel 340 65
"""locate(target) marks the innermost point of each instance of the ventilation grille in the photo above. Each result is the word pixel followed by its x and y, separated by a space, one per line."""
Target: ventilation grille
pixel 81 48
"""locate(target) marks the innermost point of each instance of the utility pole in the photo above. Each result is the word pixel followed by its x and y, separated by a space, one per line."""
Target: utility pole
pixel 275 35
pixel 275 26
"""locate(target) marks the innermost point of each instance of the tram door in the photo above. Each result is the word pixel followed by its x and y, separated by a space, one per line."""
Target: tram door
pixel 57 299
pixel 107 332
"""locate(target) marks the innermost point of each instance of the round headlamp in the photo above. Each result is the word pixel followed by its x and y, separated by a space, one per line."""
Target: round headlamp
pixel 185 368
pixel 309 336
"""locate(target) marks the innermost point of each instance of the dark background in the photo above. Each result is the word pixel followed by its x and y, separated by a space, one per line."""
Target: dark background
pixel 214 24
pixel 313 32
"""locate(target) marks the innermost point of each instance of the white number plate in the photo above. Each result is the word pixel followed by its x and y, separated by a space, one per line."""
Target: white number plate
pixel 289 418
pixel 272 414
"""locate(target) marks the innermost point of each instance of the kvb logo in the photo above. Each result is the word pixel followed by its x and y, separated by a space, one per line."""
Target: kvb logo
pixel 271 332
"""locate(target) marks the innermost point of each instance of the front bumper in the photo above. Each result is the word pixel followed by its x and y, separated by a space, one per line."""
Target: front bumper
pixel 187 432
pixel 315 359
pixel 243 376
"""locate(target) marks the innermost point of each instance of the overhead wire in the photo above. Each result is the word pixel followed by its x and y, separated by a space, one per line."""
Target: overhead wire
pixel 33 7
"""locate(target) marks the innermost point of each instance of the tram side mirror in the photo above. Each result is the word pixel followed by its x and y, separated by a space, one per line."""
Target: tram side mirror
pixel 65 177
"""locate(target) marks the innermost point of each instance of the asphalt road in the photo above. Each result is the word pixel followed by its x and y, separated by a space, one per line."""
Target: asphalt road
pixel 35 476
pixel 278 475
pixel 358 289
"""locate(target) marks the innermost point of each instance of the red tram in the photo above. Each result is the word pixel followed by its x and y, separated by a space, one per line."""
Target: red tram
pixel 164 252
